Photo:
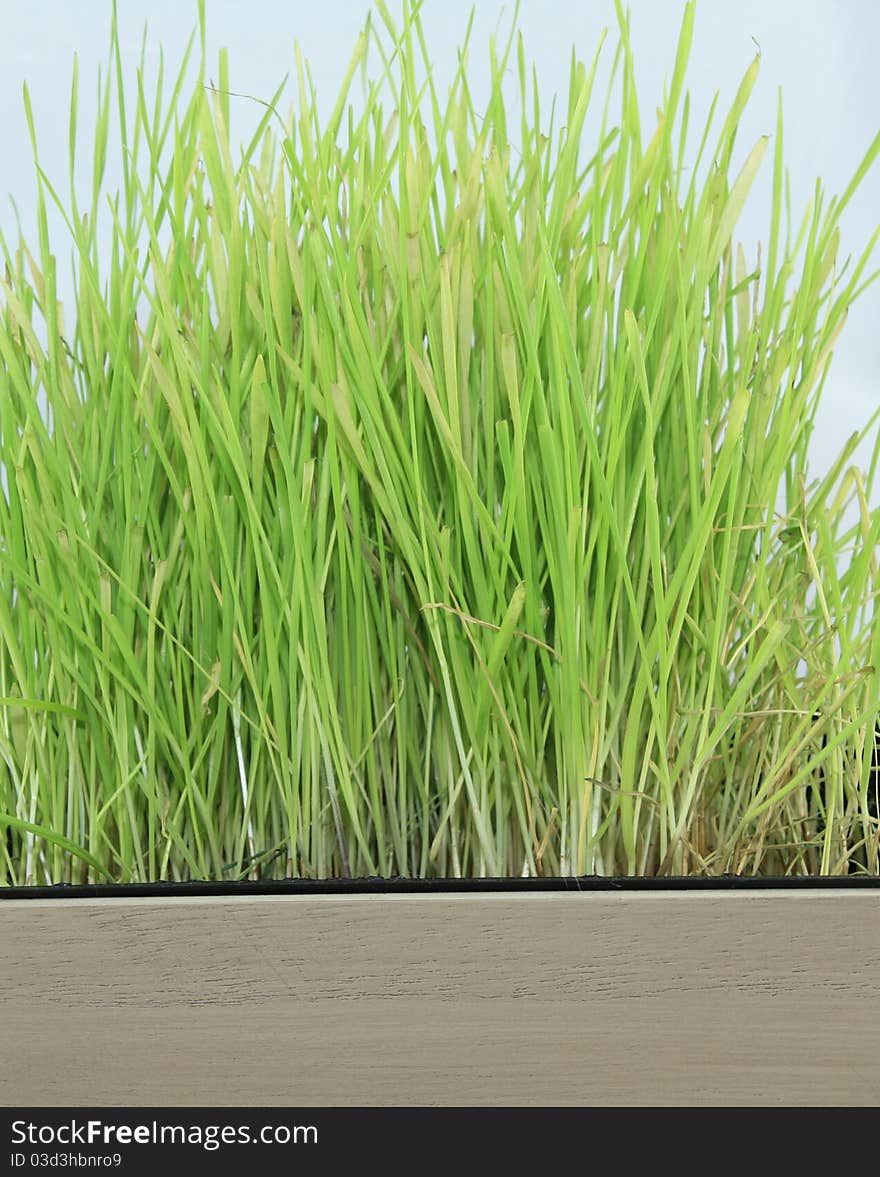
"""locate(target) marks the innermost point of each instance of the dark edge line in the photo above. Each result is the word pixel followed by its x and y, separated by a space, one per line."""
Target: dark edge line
pixel 401 886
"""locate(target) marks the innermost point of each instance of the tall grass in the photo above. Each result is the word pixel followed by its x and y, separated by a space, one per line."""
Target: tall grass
pixel 403 496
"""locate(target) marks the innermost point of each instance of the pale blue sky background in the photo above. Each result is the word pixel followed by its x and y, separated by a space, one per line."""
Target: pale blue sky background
pixel 821 52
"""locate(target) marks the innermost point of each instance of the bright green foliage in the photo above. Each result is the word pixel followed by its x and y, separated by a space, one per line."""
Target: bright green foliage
pixel 415 497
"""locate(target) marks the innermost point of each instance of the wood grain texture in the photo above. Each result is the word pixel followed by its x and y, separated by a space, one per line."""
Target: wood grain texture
pixel 488 999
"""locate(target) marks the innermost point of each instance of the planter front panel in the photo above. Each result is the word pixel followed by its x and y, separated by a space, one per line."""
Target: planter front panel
pixel 713 997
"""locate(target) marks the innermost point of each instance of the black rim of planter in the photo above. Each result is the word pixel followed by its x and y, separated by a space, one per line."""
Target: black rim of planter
pixel 402 886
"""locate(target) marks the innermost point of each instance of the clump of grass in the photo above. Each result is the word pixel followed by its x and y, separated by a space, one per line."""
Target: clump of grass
pixel 410 496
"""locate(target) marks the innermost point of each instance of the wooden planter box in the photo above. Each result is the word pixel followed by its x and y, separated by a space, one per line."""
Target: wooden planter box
pixel 695 995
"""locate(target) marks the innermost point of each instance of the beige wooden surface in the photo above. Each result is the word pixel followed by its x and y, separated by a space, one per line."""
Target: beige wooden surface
pixel 622 998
